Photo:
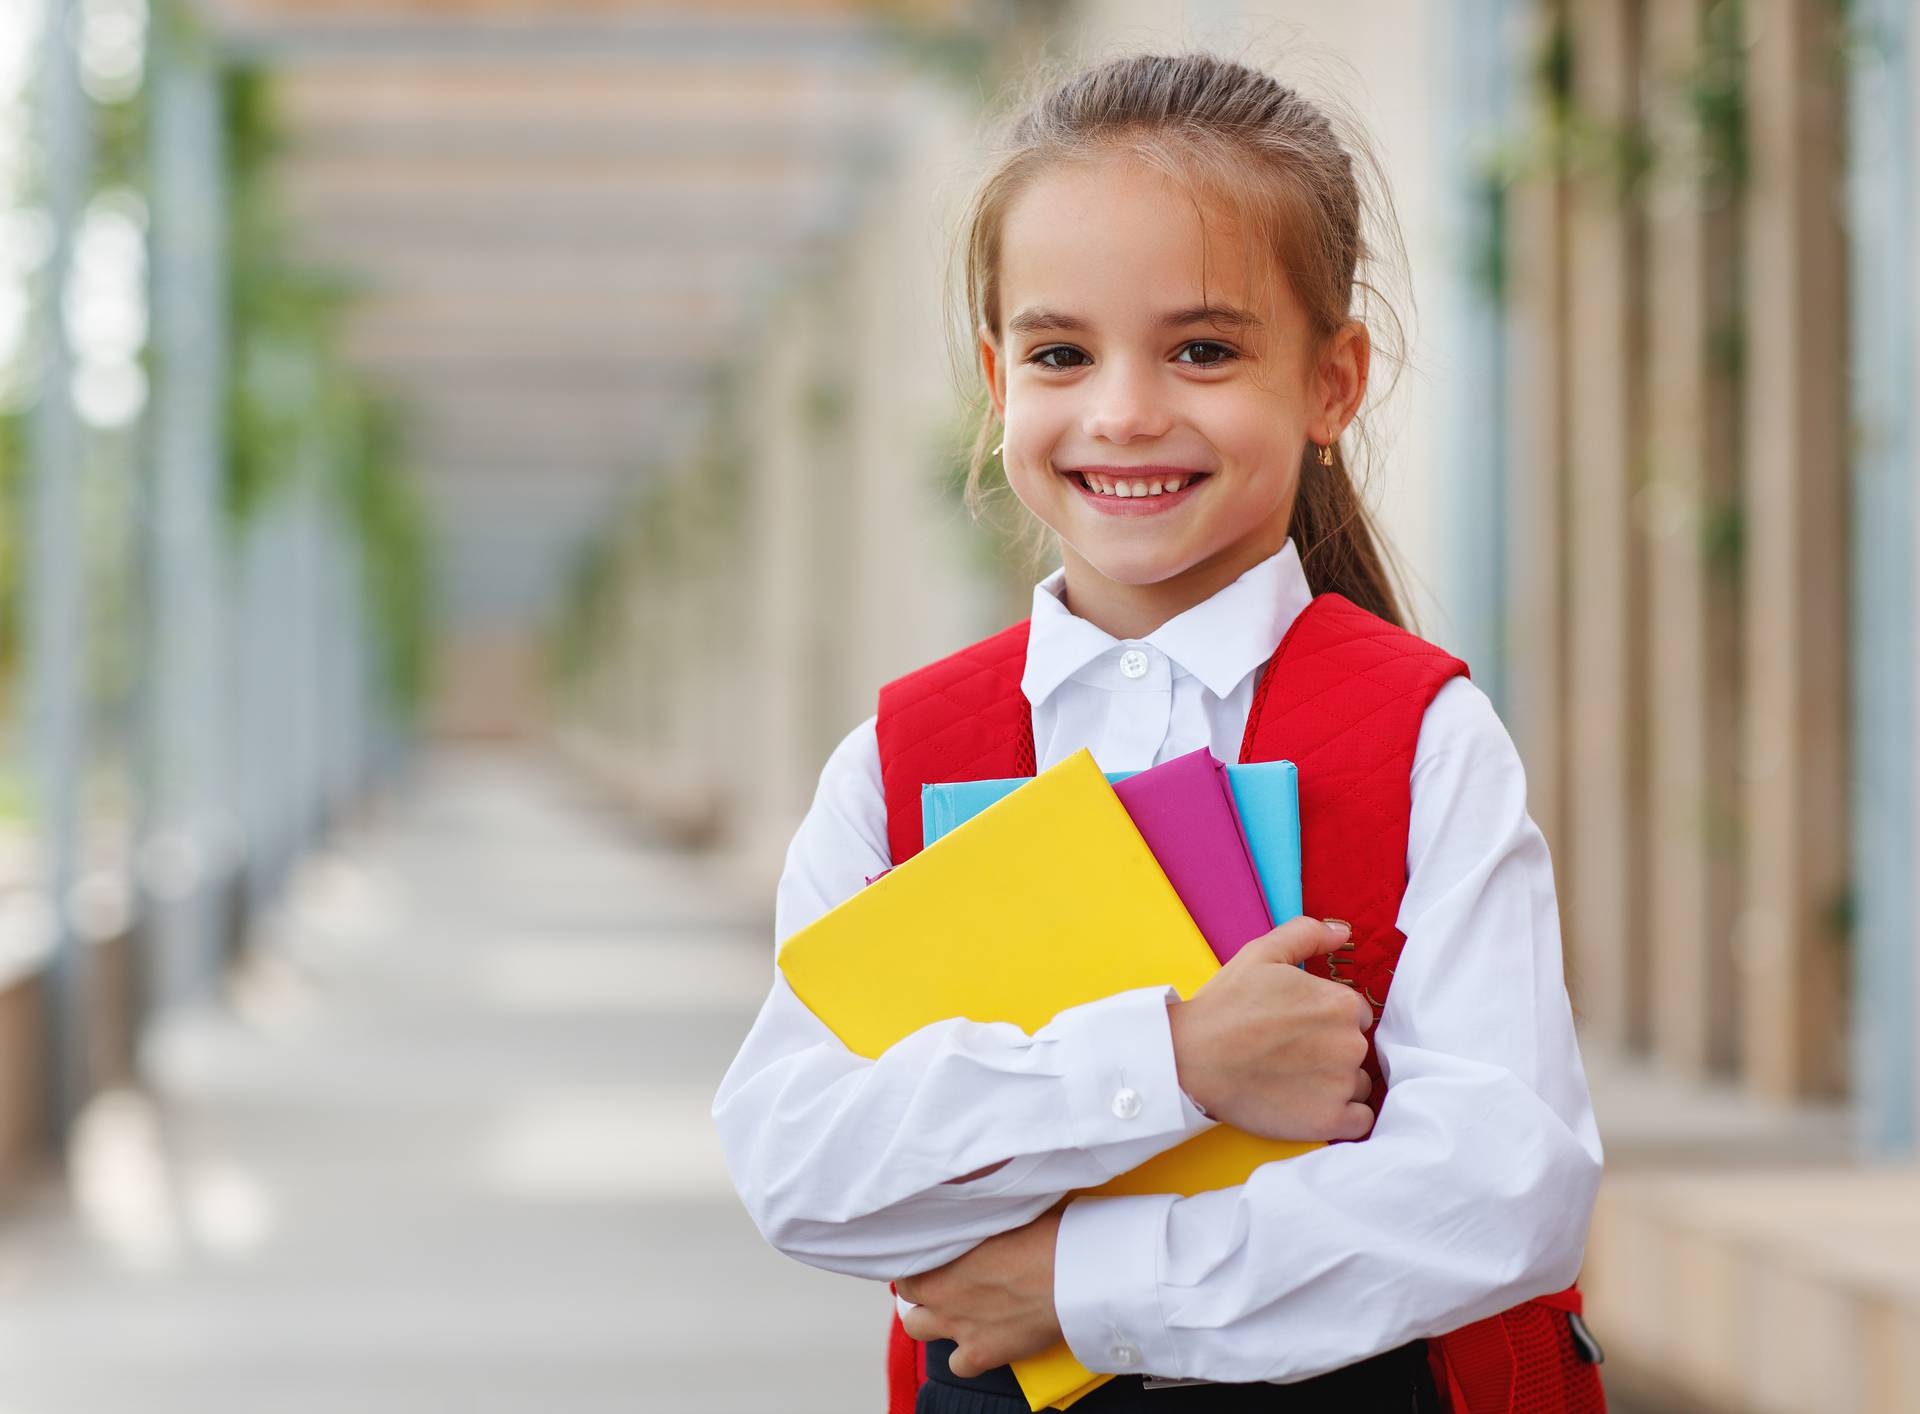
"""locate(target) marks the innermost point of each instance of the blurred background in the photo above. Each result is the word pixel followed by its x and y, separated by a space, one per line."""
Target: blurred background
pixel 464 463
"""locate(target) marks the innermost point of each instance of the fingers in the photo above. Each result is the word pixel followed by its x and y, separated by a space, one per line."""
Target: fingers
pixel 920 1323
pixel 1362 1086
pixel 1355 1123
pixel 1302 938
pixel 1363 1013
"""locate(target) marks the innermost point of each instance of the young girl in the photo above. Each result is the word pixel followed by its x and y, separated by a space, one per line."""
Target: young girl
pixel 1162 266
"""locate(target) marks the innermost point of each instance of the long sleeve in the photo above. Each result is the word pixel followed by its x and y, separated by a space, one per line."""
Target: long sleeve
pixel 1473 1192
pixel 849 1164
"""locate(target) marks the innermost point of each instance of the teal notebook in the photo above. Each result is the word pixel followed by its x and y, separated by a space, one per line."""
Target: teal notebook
pixel 1266 794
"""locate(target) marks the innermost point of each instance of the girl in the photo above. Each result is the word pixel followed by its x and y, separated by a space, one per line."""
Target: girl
pixel 1162 265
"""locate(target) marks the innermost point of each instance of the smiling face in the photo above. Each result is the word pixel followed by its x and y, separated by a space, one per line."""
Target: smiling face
pixel 1119 370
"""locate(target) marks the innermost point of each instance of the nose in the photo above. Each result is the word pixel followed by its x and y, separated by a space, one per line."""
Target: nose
pixel 1125 402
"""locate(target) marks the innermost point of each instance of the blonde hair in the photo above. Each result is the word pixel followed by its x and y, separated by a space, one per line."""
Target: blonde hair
pixel 1226 132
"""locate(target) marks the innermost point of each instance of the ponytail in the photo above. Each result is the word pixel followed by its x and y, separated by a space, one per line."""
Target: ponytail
pixel 1336 540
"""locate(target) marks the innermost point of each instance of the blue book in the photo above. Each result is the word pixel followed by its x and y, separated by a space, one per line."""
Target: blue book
pixel 1265 793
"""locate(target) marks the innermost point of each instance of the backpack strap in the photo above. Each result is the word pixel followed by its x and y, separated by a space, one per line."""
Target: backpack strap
pixel 1343 699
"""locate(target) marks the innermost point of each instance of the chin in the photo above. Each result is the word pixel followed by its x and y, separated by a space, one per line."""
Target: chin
pixel 1136 567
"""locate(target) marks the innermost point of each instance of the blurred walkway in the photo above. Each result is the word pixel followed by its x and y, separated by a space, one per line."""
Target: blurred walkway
pixel 448 1151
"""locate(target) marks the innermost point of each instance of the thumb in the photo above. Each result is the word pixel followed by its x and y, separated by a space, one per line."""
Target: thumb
pixel 1304 937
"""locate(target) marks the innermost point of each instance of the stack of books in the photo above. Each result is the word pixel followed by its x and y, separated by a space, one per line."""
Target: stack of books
pixel 1037 895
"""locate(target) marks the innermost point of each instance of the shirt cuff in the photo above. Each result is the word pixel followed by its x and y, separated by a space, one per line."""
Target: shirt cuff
pixel 1106 1288
pixel 1127 1087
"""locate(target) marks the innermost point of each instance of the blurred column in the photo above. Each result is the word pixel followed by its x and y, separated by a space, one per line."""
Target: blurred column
pixel 303 625
pixel 1795 556
pixel 253 611
pixel 780 565
pixel 343 678
pixel 56 559
pixel 1884 215
pixel 1536 335
pixel 273 635
pixel 1607 926
pixel 1692 629
pixel 1484 58
pixel 188 850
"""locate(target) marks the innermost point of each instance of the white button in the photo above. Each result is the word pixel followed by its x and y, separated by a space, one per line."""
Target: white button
pixel 1126 1355
pixel 1126 1103
pixel 1133 663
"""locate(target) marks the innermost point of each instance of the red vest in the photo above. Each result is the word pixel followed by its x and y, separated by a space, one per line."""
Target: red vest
pixel 1342 698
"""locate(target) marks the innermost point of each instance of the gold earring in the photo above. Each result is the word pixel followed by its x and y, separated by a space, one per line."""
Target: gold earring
pixel 1326 454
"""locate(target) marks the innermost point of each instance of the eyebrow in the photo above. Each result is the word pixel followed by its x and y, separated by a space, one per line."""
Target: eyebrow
pixel 1034 321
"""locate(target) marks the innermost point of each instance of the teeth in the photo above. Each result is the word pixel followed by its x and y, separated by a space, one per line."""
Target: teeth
pixel 1105 486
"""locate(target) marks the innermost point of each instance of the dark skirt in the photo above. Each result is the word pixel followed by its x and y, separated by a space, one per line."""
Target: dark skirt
pixel 1397 1382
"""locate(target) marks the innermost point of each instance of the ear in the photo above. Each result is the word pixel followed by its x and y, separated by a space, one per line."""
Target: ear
pixel 991 369
pixel 1343 379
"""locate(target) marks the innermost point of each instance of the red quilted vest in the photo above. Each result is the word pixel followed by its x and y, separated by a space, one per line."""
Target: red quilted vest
pixel 1342 698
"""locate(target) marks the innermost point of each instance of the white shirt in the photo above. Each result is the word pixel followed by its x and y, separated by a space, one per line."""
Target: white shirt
pixel 1471 1195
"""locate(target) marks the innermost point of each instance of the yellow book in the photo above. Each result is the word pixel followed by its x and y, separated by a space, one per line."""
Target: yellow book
pixel 1044 900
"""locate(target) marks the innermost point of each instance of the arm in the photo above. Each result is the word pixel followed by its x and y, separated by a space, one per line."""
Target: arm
pixel 1473 1192
pixel 874 1167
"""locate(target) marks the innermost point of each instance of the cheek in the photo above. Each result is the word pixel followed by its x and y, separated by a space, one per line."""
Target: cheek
pixel 1263 437
pixel 1034 483
pixel 1032 434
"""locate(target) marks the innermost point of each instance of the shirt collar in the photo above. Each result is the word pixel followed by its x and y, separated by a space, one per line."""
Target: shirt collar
pixel 1219 640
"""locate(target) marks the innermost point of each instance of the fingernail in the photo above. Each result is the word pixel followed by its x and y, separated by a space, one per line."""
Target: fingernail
pixel 1339 925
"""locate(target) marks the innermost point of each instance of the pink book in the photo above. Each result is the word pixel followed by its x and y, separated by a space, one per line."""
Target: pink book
pixel 1184 810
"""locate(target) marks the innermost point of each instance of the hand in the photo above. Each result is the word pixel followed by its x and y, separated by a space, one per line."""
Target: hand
pixel 996 1301
pixel 1272 1049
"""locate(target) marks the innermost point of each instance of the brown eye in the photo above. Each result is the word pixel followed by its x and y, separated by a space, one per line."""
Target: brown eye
pixel 1221 353
pixel 1044 357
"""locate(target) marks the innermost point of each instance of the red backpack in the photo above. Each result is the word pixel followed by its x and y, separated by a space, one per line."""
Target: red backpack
pixel 1342 698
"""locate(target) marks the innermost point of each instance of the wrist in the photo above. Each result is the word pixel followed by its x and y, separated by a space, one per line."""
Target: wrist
pixel 1186 1072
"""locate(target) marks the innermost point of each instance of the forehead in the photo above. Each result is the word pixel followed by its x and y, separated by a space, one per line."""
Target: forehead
pixel 1116 242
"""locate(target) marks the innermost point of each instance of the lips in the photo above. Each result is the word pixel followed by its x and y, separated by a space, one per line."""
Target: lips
pixel 1108 501
pixel 1132 482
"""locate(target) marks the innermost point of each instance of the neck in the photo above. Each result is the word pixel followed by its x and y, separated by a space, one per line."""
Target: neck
pixel 1136 610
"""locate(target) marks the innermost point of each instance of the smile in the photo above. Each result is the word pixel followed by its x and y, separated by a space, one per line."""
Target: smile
pixel 1135 492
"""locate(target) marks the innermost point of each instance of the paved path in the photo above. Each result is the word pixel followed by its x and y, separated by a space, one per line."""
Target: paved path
pixel 449 1151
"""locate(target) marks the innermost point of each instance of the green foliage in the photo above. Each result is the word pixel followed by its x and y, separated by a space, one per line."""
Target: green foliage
pixel 1839 913
pixel 1723 539
pixel 1487 268
pixel 387 512
pixel 827 405
pixel 16 791
pixel 281 315
pixel 1716 87
pixel 586 624
pixel 682 522
pixel 1564 141
pixel 294 407
pixel 1727 347
pixel 120 145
